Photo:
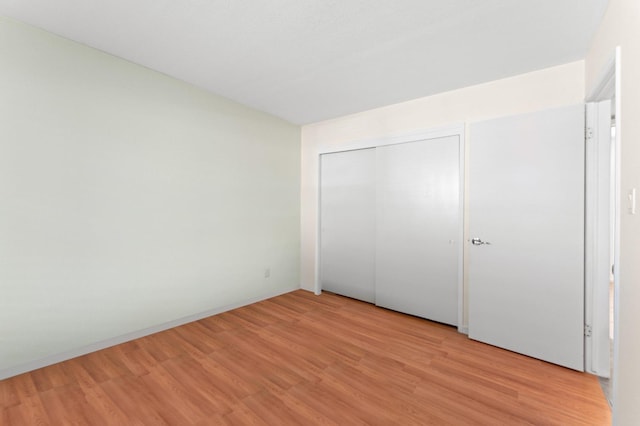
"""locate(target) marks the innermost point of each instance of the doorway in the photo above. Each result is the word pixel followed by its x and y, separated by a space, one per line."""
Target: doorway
pixel 606 382
pixel 602 281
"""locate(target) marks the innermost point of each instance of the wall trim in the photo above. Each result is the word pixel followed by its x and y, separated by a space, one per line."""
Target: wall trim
pixel 417 135
pixel 103 344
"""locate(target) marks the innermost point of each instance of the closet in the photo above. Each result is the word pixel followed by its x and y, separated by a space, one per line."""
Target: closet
pixel 391 226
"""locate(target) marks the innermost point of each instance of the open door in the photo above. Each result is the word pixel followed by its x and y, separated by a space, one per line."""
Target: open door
pixel 526 212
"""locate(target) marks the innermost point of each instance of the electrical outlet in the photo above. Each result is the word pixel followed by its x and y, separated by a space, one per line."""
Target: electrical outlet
pixel 267 272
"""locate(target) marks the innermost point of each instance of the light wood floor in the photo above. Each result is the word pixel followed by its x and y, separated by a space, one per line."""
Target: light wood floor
pixel 304 359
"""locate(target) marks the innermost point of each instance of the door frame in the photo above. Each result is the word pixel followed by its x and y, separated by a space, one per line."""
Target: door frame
pixel 607 87
pixel 419 135
pixel 598 237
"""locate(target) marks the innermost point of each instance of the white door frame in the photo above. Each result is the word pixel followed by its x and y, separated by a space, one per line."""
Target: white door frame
pixel 607 87
pixel 454 130
pixel 598 219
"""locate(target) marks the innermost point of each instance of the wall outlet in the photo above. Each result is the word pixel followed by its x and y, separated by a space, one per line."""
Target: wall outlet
pixel 267 272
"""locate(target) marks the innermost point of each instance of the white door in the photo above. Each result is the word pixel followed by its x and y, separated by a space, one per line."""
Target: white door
pixel 526 282
pixel 599 233
pixel 347 223
pixel 418 225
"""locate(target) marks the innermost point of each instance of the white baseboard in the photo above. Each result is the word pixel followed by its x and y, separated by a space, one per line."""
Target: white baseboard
pixel 103 344
pixel 464 330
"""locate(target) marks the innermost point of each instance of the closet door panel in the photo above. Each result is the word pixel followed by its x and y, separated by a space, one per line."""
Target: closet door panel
pixel 347 223
pixel 417 230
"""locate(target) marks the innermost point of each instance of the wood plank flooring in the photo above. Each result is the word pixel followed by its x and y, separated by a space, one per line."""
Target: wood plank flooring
pixel 302 359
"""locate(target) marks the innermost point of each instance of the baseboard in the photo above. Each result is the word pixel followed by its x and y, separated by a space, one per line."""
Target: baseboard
pixel 463 329
pixel 103 344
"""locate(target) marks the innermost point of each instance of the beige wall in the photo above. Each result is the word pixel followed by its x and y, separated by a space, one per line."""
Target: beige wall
pixel 621 27
pixel 130 199
pixel 552 87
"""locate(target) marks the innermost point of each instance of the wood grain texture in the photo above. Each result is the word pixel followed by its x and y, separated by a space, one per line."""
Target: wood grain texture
pixel 302 359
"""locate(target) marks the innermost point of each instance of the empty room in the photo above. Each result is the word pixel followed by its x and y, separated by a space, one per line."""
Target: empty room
pixel 408 212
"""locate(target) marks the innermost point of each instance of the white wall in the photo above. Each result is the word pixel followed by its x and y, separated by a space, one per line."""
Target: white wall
pixel 552 87
pixel 621 27
pixel 129 199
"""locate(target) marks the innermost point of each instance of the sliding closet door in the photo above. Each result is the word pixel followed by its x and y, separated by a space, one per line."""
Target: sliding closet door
pixel 347 220
pixel 418 224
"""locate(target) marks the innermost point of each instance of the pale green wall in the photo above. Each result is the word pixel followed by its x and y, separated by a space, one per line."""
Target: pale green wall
pixel 129 199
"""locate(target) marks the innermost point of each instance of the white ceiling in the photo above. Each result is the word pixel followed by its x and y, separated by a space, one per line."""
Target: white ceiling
pixel 311 60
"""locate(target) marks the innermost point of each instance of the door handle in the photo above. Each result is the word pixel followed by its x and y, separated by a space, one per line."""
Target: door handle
pixel 479 242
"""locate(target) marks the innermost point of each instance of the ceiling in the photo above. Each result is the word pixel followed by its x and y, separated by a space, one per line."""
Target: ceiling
pixel 312 60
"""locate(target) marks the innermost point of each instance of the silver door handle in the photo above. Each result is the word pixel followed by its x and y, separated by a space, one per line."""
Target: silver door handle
pixel 479 242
